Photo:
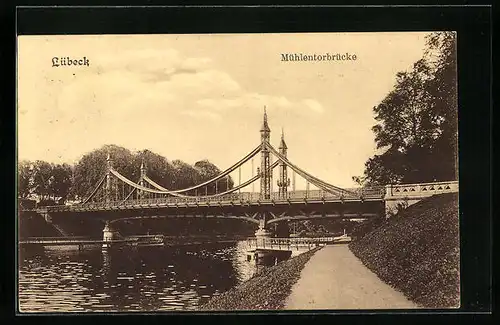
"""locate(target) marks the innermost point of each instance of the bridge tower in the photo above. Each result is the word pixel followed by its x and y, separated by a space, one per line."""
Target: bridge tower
pixel 141 179
pixel 109 166
pixel 143 172
pixel 265 180
pixel 283 181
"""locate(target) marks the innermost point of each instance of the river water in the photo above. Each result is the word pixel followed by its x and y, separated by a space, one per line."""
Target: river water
pixel 143 279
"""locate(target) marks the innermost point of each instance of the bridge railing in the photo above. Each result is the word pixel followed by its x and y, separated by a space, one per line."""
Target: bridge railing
pixel 288 243
pixel 243 197
pixel 376 191
pixel 421 189
pixel 295 240
pixel 58 238
pixel 379 192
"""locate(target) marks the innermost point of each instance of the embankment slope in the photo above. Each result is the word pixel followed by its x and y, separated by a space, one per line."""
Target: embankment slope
pixel 417 252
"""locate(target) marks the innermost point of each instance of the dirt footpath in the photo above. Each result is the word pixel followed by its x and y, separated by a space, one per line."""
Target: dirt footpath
pixel 336 279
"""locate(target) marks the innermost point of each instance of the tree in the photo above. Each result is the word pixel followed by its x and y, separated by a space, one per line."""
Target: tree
pixel 207 171
pixel 78 181
pixel 185 175
pixel 24 179
pixel 229 180
pixel 443 90
pixel 42 178
pixel 92 168
pixel 417 121
pixel 61 181
pixel 386 168
pixel 157 168
pixel 402 113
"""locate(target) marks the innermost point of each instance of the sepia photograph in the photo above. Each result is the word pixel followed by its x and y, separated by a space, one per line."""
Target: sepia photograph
pixel 237 172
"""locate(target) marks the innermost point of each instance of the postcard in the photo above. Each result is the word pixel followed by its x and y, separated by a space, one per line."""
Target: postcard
pixel 227 172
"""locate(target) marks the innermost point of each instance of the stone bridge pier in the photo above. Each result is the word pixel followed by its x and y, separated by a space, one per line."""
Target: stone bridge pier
pixel 109 233
pixel 263 232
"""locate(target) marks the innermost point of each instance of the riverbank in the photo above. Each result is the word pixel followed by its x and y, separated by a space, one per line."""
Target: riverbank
pixel 417 252
pixel 267 290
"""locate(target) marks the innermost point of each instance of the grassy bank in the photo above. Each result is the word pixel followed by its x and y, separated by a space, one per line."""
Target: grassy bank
pixel 267 290
pixel 417 251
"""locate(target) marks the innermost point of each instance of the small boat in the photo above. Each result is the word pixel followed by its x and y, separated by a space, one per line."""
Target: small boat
pixel 147 240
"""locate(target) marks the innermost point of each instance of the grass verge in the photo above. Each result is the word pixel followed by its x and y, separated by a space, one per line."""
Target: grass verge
pixel 418 252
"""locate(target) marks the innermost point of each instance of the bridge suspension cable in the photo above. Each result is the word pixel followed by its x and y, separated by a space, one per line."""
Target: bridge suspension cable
pixel 134 188
pixel 221 175
pixel 253 170
pixel 314 180
pixel 239 177
pixel 95 189
pixel 155 191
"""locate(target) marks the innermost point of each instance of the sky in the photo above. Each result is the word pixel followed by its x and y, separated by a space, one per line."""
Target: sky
pixel 195 97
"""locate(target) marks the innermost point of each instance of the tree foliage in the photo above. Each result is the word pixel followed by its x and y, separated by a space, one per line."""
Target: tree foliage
pixel 207 171
pixel 417 121
pixel 24 181
pixel 47 180
pixel 185 175
pixel 62 176
pixel 92 168
pixel 158 168
pixel 64 181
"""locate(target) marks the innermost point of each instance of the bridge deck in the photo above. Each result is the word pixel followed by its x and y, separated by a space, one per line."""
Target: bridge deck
pixel 222 201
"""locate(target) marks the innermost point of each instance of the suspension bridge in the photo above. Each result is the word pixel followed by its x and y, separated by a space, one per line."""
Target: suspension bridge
pixel 115 197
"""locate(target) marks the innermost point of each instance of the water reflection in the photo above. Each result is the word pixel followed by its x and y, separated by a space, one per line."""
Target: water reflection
pixel 144 279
